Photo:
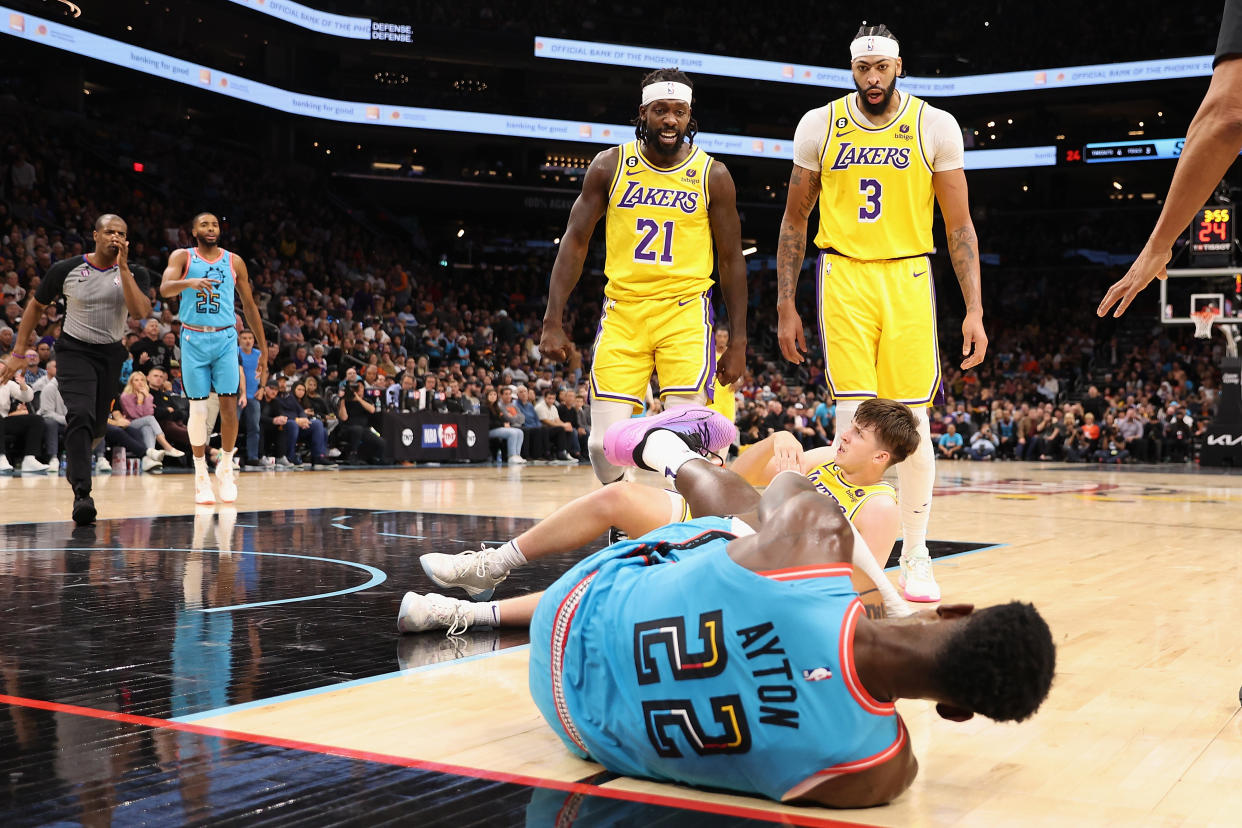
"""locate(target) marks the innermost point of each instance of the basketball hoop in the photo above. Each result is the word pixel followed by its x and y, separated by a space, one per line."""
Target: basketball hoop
pixel 1203 319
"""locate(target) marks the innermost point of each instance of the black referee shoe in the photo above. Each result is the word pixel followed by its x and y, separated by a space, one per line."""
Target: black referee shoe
pixel 84 510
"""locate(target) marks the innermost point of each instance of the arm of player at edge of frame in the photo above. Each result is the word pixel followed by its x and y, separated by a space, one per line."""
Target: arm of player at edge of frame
pixel 959 230
pixel 727 233
pixel 250 310
pixel 1212 143
pixel 588 209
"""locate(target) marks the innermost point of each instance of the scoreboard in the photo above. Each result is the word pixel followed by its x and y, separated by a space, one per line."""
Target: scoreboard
pixel 1211 237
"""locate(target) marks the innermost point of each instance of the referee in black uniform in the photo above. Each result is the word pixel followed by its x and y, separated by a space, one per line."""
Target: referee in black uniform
pixel 100 292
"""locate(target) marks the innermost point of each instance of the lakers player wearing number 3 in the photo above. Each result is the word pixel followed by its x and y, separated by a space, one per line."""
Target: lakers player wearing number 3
pixel 668 206
pixel 875 162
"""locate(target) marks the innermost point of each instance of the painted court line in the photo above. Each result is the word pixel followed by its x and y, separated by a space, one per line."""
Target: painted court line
pixel 670 801
pixel 345 685
pixel 939 558
pixel 378 576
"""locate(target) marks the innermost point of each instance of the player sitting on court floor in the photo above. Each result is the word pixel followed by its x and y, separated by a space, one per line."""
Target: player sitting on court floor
pixel 882 434
pixel 750 665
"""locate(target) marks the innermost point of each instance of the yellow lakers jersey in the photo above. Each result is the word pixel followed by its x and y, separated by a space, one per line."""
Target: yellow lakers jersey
pixel 830 480
pixel 658 231
pixel 876 195
pixel 723 401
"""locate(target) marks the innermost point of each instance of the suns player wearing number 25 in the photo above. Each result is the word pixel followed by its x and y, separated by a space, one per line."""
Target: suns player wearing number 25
pixel 873 161
pixel 666 201
pixel 205 277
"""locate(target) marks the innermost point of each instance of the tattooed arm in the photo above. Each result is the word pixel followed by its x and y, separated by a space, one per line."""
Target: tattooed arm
pixel 950 187
pixel 790 252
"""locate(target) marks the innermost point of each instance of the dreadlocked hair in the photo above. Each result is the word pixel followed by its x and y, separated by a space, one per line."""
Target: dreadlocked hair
pixel 999 664
pixel 676 76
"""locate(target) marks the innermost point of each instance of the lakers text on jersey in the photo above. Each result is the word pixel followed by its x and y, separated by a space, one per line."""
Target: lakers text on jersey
pixel 876 195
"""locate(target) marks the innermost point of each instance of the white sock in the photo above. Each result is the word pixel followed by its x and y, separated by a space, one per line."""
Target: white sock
pixel 916 476
pixel 667 452
pixel 505 558
pixel 486 614
pixel 226 457
pixel 200 464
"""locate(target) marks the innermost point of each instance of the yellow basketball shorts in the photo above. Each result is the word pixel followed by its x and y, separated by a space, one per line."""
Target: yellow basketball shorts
pixel 877 326
pixel 672 337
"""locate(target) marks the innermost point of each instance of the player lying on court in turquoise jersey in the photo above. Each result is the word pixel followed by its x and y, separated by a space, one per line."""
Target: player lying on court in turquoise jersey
pixel 851 472
pixel 746 662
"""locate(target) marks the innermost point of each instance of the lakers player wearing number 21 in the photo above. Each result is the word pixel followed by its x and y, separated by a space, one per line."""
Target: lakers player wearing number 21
pixel 671 218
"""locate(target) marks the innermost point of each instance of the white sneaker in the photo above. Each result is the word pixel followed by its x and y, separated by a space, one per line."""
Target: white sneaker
pixel 174 452
pixel 6 466
pixel 155 454
pixel 102 466
pixel 469 570
pixel 203 495
pixel 228 483
pixel 516 459
pixel 916 579
pixel 285 463
pixel 31 465
pixel 420 613
pixel 334 453
pixel 150 464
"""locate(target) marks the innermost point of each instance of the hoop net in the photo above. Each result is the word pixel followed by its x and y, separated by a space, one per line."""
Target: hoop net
pixel 1203 319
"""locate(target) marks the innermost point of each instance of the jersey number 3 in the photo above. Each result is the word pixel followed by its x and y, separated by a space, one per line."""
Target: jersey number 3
pixel 870 188
pixel 665 717
pixel 646 252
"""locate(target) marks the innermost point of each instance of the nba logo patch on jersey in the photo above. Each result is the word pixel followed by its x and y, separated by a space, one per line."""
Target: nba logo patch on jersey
pixel 818 674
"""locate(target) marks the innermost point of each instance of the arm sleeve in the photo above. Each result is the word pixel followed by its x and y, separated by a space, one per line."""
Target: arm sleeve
pixel 53 281
pixel 1229 43
pixel 809 138
pixel 942 139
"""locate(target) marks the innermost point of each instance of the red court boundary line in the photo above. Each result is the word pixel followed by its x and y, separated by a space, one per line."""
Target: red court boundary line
pixel 441 767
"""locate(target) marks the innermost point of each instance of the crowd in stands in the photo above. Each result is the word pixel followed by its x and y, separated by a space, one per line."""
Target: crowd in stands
pixel 361 321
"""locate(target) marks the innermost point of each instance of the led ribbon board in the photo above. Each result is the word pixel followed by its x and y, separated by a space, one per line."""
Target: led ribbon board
pixel 156 64
pixel 612 54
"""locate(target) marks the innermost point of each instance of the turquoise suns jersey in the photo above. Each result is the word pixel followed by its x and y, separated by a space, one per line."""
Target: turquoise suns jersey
pixel 209 308
pixel 682 665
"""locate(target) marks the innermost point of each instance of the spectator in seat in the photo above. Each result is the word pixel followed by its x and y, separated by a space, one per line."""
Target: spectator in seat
pixel 983 443
pixel 53 411
pixel 560 433
pixel 16 421
pixel 170 409
pixel 1130 431
pixel 505 422
pixel 535 436
pixel 138 406
pixel 353 412
pixel 950 444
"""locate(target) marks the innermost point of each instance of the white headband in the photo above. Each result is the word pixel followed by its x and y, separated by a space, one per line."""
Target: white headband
pixel 874 46
pixel 666 91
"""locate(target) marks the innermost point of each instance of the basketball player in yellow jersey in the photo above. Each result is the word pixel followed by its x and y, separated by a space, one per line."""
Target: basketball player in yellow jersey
pixel 723 399
pixel 666 201
pixel 873 161
pixel 851 471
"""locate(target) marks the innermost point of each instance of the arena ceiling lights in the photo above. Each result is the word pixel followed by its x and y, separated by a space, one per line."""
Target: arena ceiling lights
pixel 86 44
pixel 612 54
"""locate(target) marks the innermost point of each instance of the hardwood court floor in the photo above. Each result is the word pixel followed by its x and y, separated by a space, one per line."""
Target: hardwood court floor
pixel 138 686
